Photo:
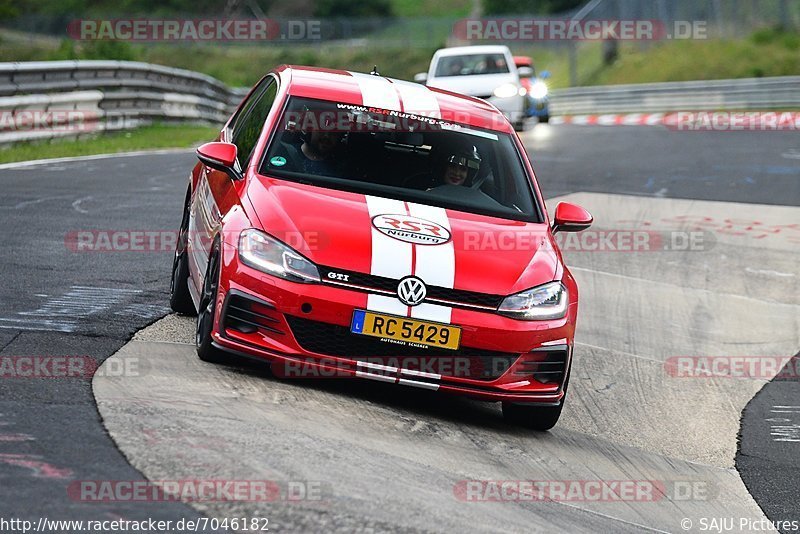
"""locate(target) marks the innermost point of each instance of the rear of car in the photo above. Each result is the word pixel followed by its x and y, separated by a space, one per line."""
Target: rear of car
pixel 418 252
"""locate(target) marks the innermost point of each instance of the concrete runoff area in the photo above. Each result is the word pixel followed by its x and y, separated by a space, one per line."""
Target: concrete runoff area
pixel 391 458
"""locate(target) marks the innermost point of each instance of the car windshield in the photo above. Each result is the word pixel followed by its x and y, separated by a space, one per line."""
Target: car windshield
pixel 401 156
pixel 471 64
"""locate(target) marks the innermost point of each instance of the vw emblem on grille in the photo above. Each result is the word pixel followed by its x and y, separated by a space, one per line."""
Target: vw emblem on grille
pixel 411 291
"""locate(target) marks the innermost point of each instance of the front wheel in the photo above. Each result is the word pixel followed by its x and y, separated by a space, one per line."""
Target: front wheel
pixel 206 351
pixel 534 417
pixel 544 118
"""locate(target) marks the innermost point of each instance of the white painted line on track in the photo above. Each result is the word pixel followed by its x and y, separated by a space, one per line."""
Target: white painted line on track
pixel 36 162
pixel 768 272
pixel 668 284
pixel 592 512
pixel 620 352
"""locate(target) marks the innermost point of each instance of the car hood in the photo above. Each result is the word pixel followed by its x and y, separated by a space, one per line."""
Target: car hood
pixel 339 230
pixel 474 85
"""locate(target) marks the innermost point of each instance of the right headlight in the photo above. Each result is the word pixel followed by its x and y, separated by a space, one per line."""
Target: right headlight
pixel 265 253
pixel 507 90
pixel 548 301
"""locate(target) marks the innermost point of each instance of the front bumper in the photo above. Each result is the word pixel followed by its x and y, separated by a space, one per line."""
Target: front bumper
pixel 303 329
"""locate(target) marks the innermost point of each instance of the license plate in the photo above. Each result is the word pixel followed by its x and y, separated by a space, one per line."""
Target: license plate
pixel 407 331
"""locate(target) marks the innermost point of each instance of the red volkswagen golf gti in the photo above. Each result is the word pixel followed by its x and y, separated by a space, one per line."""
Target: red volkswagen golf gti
pixel 352 225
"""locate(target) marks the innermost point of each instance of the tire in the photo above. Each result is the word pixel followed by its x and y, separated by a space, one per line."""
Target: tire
pixel 206 351
pixel 544 118
pixel 180 300
pixel 541 418
pixel 519 125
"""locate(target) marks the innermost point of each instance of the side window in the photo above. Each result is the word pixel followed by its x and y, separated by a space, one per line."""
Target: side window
pixel 248 104
pixel 249 124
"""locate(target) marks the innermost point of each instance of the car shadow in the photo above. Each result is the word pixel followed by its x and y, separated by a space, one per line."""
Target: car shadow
pixel 444 407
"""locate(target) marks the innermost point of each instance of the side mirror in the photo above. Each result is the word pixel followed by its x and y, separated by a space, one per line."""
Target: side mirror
pixel 421 77
pixel 544 74
pixel 221 157
pixel 525 72
pixel 571 218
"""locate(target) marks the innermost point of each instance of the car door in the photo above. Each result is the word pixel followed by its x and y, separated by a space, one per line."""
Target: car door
pixel 217 192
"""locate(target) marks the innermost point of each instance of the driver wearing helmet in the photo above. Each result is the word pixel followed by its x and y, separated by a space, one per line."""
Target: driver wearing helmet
pixel 457 166
pixel 461 167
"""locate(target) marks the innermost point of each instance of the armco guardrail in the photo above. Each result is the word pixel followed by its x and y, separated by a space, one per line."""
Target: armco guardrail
pixel 713 95
pixel 39 100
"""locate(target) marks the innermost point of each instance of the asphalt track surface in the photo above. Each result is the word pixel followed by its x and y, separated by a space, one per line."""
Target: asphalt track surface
pixel 389 458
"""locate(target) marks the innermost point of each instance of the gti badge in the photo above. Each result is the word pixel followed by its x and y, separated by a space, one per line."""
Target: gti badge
pixel 411 291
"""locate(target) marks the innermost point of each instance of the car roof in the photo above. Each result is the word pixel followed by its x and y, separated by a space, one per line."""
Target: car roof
pixel 468 50
pixel 523 60
pixel 359 89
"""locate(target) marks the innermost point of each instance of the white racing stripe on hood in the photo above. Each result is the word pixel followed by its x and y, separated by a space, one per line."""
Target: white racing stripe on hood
pixel 390 257
pixel 435 264
pixel 417 99
pixel 377 91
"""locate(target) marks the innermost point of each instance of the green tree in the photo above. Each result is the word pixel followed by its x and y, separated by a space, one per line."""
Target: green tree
pixel 511 7
pixel 8 9
pixel 353 8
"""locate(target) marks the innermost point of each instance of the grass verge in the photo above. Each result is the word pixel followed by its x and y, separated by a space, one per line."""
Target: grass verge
pixel 144 138
pixel 405 48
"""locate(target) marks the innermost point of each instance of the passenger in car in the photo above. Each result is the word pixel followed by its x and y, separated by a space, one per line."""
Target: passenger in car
pixel 455 167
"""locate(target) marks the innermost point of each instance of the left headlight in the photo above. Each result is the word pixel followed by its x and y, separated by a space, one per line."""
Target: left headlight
pixel 265 253
pixel 507 90
pixel 548 301
pixel 538 90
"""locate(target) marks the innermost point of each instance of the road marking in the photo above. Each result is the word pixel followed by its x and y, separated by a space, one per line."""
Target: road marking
pixel 784 428
pixel 26 203
pixel 768 272
pixel 61 313
pixel 143 310
pixel 592 512
pixel 668 284
pixel 77 204
pixel 35 162
pixel 37 324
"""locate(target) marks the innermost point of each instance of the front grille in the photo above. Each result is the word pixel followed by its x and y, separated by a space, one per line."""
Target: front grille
pixel 456 296
pixel 334 340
